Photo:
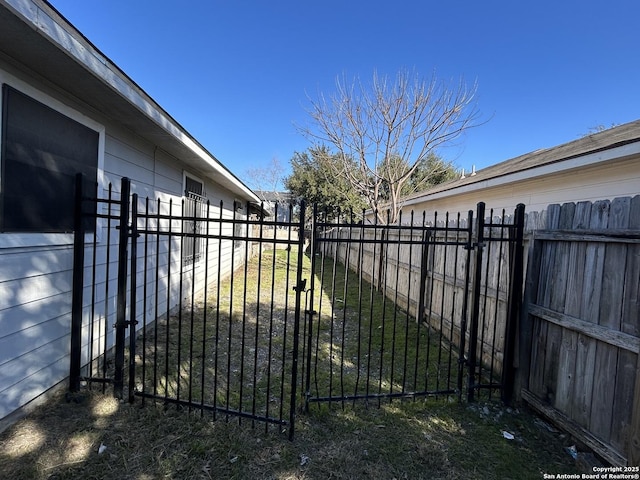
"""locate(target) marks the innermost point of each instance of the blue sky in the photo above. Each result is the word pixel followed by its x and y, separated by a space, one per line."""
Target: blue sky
pixel 236 73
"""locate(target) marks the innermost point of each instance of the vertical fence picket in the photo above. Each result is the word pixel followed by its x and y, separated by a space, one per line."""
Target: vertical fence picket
pixel 156 301
pixel 168 309
pixel 145 312
pixel 216 375
pixel 121 310
pixel 475 304
pixel 464 318
pixel 131 323
pixel 309 311
pixel 299 289
pixel 93 346
pixel 516 278
pixel 205 309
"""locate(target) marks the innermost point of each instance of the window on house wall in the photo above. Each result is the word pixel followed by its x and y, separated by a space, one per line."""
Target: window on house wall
pixel 239 228
pixel 42 151
pixel 194 209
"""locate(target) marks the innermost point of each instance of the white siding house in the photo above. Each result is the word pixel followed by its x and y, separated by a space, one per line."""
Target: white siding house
pixel 52 77
pixel 600 166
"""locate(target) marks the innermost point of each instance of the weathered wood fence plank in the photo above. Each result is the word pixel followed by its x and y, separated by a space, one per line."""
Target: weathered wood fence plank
pixel 582 383
pixel 549 336
pixel 609 316
pixel 630 363
pixel 571 367
pixel 582 319
pixel 565 369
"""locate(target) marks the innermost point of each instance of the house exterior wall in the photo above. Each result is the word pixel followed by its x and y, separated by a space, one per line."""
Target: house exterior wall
pixel 601 181
pixel 36 272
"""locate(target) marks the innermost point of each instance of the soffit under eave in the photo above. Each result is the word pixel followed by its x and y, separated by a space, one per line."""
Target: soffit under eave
pixel 27 47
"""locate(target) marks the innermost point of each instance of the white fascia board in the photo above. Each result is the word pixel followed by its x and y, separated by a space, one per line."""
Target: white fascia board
pixel 104 69
pixel 535 172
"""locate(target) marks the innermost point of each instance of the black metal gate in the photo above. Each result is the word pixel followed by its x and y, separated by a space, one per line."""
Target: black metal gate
pixel 420 308
pixel 190 290
pixel 220 310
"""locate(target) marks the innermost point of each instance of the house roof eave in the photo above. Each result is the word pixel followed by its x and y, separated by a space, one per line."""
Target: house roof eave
pixel 36 36
pixel 617 143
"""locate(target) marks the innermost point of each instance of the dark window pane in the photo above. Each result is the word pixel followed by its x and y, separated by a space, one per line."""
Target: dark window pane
pixel 194 208
pixel 193 186
pixel 42 151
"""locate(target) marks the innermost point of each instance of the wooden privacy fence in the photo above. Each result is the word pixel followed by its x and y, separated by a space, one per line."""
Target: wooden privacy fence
pixel 580 332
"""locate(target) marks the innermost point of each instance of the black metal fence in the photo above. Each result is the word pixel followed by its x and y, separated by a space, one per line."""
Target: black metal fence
pixel 230 345
pixel 216 322
pixel 241 317
pixel 426 308
pixel 362 343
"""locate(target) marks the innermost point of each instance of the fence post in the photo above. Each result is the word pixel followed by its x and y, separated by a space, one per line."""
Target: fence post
pixel 132 308
pixel 299 289
pixel 475 305
pixel 121 306
pixel 78 286
pixel 310 312
pixel 465 303
pixel 424 273
pixel 516 256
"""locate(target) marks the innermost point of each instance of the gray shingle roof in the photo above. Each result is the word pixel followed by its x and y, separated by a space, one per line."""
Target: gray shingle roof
pixel 607 139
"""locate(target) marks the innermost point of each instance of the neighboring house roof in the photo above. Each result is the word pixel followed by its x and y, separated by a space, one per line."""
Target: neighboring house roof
pixel 34 34
pixel 270 196
pixel 618 142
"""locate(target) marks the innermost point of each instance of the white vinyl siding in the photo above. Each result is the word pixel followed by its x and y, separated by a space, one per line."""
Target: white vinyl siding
pixel 607 180
pixel 36 277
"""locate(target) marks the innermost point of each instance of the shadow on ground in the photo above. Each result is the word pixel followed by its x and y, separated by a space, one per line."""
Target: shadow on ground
pixel 101 438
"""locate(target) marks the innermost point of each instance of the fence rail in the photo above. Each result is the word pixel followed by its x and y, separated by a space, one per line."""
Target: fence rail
pixel 580 334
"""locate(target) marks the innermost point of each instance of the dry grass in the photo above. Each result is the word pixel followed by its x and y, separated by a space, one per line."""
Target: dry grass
pixel 438 440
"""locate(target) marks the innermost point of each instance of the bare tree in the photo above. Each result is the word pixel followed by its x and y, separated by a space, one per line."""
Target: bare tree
pixel 388 130
pixel 267 181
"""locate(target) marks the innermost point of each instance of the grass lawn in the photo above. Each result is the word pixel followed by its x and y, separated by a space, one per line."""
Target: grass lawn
pixel 411 439
pixel 195 358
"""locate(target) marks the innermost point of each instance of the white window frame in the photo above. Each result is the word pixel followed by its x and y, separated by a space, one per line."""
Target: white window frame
pixel 21 240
